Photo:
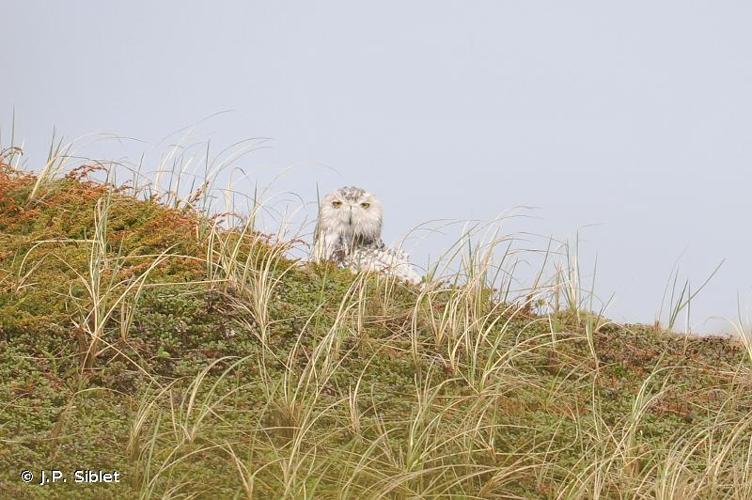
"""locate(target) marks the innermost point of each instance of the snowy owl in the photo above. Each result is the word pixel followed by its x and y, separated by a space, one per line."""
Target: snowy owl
pixel 348 232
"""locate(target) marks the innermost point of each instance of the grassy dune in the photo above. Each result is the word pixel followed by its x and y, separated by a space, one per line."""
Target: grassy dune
pixel 202 362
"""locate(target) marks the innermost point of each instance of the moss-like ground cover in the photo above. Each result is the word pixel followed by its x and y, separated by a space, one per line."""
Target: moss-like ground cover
pixel 202 363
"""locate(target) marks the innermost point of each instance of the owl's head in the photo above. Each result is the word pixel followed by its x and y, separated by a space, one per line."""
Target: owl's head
pixel 352 215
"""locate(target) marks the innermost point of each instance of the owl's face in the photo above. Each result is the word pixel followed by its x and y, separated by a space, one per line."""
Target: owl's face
pixel 353 214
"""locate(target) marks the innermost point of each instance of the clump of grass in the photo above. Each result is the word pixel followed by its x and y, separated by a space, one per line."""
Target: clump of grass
pixel 678 299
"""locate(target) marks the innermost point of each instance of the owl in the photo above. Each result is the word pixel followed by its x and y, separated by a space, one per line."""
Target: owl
pixel 348 232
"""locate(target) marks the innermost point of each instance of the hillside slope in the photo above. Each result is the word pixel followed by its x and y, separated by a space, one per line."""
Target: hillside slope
pixel 201 362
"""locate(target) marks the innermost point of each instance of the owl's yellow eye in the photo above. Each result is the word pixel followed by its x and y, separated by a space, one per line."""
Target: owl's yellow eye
pixel 365 204
pixel 336 204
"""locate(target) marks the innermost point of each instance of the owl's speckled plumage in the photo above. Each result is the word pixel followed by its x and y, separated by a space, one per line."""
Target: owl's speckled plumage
pixel 348 233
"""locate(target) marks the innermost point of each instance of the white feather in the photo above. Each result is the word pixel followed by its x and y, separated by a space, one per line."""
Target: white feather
pixel 383 260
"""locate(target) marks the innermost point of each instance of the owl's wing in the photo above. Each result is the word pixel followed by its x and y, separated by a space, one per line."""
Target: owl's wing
pixel 385 260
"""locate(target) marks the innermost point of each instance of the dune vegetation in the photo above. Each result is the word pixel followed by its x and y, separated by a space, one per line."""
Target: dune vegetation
pixel 200 360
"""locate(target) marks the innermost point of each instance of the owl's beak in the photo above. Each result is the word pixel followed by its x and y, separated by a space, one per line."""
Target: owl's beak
pixel 349 220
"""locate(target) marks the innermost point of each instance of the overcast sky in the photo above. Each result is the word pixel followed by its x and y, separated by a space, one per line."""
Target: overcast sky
pixel 631 122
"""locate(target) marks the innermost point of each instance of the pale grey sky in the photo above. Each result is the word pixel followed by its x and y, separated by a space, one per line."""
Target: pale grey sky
pixel 636 116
